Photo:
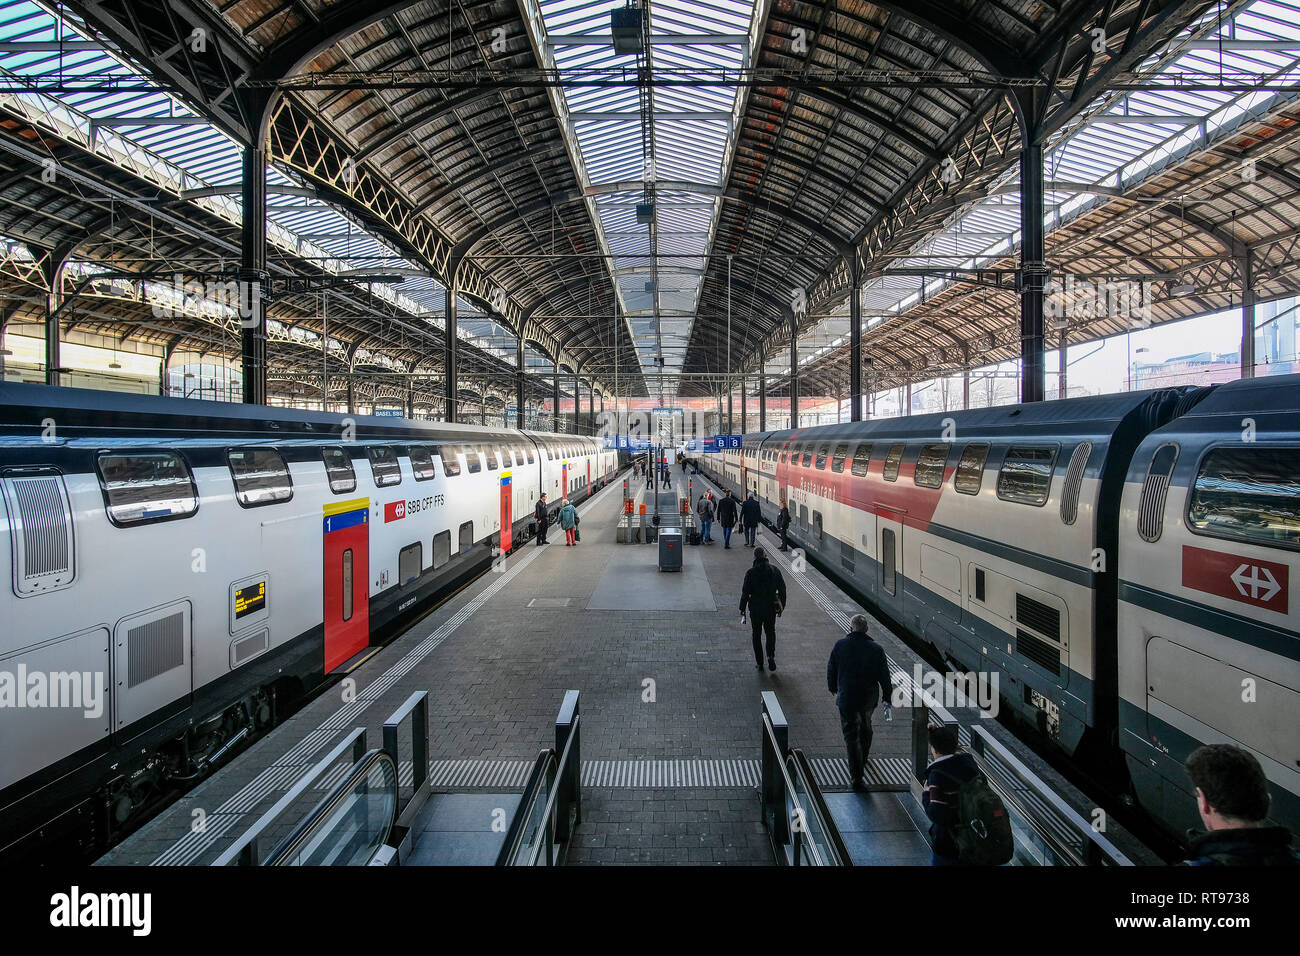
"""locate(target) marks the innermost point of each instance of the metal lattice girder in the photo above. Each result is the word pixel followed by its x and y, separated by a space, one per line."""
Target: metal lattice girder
pixel 300 142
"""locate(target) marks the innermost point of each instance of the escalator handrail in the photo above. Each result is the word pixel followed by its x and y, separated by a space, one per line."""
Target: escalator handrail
pixel 1104 849
pixel 782 765
pixel 286 847
pixel 515 835
pixel 825 818
pixel 560 766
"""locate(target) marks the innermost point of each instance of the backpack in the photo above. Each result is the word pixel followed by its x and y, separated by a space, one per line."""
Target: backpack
pixel 983 830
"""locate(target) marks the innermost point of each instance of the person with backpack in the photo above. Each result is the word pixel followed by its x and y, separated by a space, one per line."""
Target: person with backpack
pixel 728 512
pixel 706 510
pixel 969 824
pixel 1232 798
pixel 750 514
pixel 763 596
pixel 858 675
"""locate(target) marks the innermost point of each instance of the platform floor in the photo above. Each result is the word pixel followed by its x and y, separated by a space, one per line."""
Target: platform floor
pixel 670 700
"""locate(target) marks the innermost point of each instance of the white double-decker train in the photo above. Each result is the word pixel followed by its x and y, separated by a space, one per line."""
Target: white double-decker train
pixel 1123 563
pixel 181 571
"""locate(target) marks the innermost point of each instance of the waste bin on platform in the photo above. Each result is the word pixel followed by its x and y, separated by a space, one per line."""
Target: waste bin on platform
pixel 670 549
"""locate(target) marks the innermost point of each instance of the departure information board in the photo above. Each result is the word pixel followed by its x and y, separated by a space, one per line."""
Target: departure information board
pixel 250 599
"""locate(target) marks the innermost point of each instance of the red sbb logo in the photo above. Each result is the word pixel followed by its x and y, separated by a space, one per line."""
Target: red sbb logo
pixel 394 511
pixel 1248 580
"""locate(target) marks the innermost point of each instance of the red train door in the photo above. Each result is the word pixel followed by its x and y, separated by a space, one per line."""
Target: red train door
pixel 588 476
pixel 347 580
pixel 564 480
pixel 507 513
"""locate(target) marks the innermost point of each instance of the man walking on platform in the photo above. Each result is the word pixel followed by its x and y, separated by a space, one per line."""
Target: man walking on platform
pixel 750 514
pixel 783 526
pixel 706 510
pixel 858 675
pixel 727 514
pixel 543 519
pixel 763 594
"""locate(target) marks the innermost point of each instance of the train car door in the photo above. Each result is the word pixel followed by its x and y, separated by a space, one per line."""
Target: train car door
pixel 507 512
pixel 588 476
pixel 347 581
pixel 564 480
pixel 889 547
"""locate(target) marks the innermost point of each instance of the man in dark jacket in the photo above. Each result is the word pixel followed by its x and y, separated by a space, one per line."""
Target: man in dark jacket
pixel 1232 798
pixel 750 515
pixel 783 526
pixel 858 675
pixel 543 518
pixel 948 770
pixel 763 593
pixel 727 514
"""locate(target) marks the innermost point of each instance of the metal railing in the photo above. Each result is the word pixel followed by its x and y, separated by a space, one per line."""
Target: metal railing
pixel 1048 831
pixel 416 708
pixel 552 802
pixel 349 826
pixel 245 851
pixel 798 822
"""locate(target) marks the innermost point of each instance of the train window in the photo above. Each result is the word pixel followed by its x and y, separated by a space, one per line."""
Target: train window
pixel 529 453
pixel 807 455
pixel 506 460
pixel 892 461
pixel 837 463
pixel 450 461
pixel 930 464
pixel 861 460
pixel 472 460
pixel 822 454
pixel 1251 493
pixel 409 561
pixel 817 525
pixel 149 486
pixel 345 586
pixel 421 462
pixel 338 468
pixel 979 584
pixel 1026 474
pixel 441 548
pixel 384 466
pixel 491 456
pixel 466 536
pixel 261 477
pixel 970 469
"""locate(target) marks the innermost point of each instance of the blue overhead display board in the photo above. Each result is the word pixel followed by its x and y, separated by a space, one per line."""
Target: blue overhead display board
pixel 627 443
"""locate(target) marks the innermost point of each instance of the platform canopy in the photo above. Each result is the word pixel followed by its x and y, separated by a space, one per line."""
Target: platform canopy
pixel 742 176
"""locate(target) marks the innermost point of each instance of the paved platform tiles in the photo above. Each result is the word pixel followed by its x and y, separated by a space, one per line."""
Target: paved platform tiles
pixel 659 687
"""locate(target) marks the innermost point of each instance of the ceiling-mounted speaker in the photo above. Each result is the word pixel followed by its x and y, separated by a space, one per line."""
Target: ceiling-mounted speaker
pixel 625 25
pixel 645 212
